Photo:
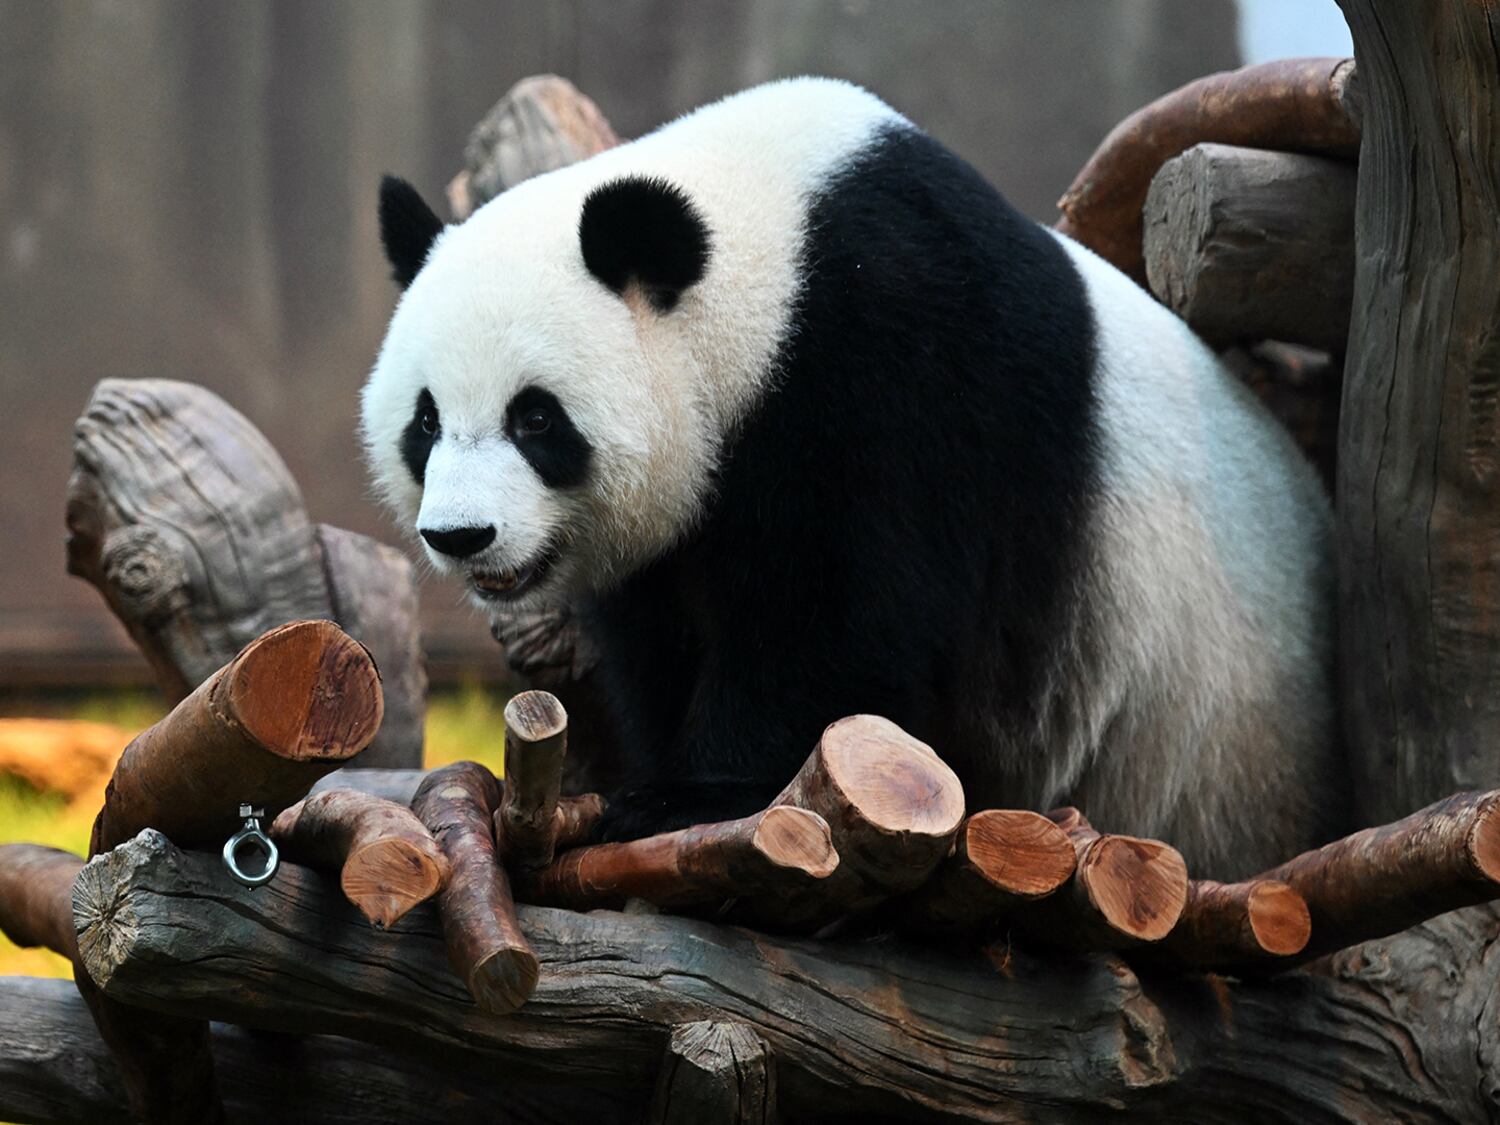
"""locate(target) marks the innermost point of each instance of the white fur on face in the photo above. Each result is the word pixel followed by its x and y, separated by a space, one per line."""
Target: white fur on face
pixel 504 302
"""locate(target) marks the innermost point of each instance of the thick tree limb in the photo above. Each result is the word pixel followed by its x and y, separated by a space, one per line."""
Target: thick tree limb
pixel 773 853
pixel 188 522
pixel 1002 859
pixel 536 744
pixel 387 860
pixel 868 1027
pixel 1419 452
pixel 543 122
pixel 36 897
pixel 893 809
pixel 1382 880
pixel 1300 105
pixel 575 820
pixel 55 1070
pixel 291 707
pixel 1124 892
pixel 1250 245
pixel 715 1072
pixel 1230 927
pixel 485 944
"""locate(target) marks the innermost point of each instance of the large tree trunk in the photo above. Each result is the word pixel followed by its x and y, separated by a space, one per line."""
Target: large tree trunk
pixel 1419 442
pixel 1401 1027
pixel 55 1070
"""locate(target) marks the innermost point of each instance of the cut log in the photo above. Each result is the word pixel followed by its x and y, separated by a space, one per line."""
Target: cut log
pixel 1299 105
pixel 294 705
pixel 36 897
pixel 55 1070
pixel 1003 859
pixel 536 743
pixel 188 522
pixel 372 592
pixel 1419 451
pixel 892 808
pixel 485 944
pixel 874 1029
pixel 775 852
pixel 715 1072
pixel 1250 245
pixel 388 861
pixel 1125 891
pixel 575 820
pixel 1235 927
pixel 543 122
pixel 1382 880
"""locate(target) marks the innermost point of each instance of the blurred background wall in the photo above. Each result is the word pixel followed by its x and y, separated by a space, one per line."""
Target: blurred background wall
pixel 187 191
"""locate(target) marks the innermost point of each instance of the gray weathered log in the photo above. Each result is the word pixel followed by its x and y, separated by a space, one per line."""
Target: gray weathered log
pixel 715 1072
pixel 189 523
pixel 543 122
pixel 1419 438
pixel 1246 244
pixel 1405 1026
pixel 55 1070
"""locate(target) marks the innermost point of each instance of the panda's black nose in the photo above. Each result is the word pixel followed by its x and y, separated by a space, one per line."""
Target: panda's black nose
pixel 459 542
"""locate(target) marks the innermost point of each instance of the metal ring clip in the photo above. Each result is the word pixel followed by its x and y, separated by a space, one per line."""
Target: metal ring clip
pixel 251 834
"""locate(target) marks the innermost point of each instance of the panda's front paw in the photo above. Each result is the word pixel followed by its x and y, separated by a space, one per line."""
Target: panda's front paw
pixel 646 810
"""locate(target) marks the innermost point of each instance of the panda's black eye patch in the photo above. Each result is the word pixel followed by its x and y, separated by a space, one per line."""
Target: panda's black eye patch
pixel 547 438
pixel 420 435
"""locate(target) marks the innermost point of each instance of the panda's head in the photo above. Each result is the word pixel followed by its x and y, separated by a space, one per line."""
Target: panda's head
pixel 534 416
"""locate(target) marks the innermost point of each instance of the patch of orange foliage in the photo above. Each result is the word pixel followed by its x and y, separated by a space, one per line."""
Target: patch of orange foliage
pixel 67 756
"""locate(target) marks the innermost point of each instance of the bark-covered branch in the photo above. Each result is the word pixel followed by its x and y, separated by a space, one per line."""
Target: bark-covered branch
pixel 869 1028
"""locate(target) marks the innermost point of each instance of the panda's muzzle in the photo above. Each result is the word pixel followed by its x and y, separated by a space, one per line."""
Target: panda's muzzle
pixel 507 585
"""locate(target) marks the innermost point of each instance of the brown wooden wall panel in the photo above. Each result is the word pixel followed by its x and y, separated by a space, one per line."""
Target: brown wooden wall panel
pixel 187 190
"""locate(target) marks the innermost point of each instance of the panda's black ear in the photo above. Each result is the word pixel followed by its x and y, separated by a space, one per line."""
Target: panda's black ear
pixel 408 228
pixel 645 231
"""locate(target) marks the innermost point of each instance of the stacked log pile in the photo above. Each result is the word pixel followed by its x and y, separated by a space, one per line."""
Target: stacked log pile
pixel 1042 969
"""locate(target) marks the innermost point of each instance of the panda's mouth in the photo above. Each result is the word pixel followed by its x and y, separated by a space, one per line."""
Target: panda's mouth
pixel 507 585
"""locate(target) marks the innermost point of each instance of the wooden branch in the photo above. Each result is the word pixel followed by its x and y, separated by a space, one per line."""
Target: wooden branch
pixel 485 944
pixel 388 861
pixel 772 853
pixel 536 743
pixel 1418 537
pixel 1249 245
pixel 872 1028
pixel 292 706
pixel 55 1070
pixel 577 819
pixel 372 591
pixel 1003 858
pixel 715 1072
pixel 543 122
pixel 893 809
pixel 36 897
pixel 188 522
pixel 1125 891
pixel 1233 927
pixel 1382 880
pixel 1300 105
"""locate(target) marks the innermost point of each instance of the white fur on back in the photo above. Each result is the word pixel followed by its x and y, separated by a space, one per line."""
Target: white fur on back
pixel 505 301
pixel 1201 673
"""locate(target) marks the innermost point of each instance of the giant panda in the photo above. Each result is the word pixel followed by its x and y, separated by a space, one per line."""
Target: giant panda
pixel 804 420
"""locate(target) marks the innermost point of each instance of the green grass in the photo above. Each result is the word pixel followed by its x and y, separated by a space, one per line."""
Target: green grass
pixel 467 723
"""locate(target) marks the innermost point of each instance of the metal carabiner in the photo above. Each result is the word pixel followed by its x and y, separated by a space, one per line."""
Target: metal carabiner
pixel 251 834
